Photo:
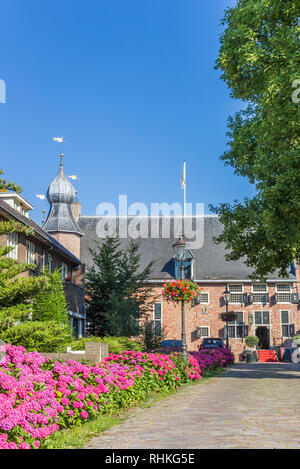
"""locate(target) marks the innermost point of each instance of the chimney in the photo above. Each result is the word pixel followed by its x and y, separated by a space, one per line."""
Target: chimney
pixel 76 210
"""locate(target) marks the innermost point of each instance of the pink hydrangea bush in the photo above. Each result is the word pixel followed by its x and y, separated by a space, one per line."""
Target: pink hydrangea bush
pixel 38 396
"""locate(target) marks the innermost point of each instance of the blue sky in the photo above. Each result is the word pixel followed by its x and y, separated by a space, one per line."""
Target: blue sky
pixel 132 88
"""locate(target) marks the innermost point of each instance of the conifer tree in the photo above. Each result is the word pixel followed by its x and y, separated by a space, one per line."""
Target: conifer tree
pixel 16 292
pixel 117 296
pixel 49 304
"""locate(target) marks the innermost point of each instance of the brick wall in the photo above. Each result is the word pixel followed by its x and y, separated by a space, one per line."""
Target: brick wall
pixel 196 317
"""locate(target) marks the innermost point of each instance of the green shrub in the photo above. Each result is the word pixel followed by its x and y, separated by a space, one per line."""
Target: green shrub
pixel 50 303
pixel 38 336
pixel 115 344
pixel 252 341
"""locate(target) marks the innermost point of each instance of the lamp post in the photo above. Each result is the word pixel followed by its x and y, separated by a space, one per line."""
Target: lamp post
pixel 227 298
pixel 181 255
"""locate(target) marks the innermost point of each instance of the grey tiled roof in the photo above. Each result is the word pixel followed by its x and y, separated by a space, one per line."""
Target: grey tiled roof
pixel 210 263
pixel 40 232
pixel 61 194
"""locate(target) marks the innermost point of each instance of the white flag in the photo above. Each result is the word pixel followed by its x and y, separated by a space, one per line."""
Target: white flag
pixel 58 139
pixel 74 177
pixel 183 177
pixel 41 196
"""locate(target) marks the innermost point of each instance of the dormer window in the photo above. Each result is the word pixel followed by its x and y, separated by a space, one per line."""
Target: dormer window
pixel 188 269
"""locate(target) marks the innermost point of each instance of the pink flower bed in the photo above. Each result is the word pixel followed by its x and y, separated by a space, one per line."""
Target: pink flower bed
pixel 38 396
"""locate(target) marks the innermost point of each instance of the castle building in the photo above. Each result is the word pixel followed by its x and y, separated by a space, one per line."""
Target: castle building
pixel 268 309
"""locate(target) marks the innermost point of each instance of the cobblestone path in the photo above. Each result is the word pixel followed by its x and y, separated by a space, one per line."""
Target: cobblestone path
pixel 249 406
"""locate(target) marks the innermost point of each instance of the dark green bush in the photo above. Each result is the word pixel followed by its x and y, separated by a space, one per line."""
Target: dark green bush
pixel 38 336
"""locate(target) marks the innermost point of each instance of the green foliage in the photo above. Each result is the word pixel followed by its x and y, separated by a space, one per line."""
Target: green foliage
pixel 259 60
pixel 149 338
pixel 13 315
pixel 115 344
pixel 49 304
pixel 38 336
pixel 251 341
pixel 9 185
pixel 123 316
pixel 117 298
pixel 15 291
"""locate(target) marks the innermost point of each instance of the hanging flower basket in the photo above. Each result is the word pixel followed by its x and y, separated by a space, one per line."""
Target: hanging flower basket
pixel 181 291
pixel 228 317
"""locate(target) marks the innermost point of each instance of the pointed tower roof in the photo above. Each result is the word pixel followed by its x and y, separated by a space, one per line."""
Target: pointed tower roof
pixel 61 194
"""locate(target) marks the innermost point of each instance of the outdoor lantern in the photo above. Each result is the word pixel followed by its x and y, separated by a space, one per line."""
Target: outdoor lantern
pixel 227 295
pixel 180 249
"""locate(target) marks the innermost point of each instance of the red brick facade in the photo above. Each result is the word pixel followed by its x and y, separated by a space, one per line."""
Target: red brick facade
pixel 208 315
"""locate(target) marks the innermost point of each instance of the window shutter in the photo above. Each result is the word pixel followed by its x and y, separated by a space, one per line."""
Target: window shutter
pixel 291 330
pixel 295 298
pixel 250 299
pixel 245 299
pixel 225 331
pixel 267 297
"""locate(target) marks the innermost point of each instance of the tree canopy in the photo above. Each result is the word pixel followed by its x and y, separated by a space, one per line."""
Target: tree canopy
pixel 259 59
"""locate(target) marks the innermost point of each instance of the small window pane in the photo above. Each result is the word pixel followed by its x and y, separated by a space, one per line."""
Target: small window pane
pixel 259 288
pixel 258 318
pixel 284 317
pixel 239 317
pixel 285 331
pixel 283 287
pixel 157 327
pixel 157 311
pixel 266 317
pixel 231 332
pixel 235 288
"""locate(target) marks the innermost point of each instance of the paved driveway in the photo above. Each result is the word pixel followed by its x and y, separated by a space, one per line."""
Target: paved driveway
pixel 249 406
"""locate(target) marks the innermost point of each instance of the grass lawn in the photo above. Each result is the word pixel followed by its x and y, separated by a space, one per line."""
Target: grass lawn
pixel 77 437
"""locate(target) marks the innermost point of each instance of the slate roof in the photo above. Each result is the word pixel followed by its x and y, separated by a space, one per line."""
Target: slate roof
pixel 210 263
pixel 40 232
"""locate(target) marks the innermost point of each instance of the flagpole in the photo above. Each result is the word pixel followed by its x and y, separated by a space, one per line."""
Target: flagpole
pixel 184 191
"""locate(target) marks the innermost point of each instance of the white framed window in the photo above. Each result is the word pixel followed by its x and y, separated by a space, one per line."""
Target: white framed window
pixel 287 329
pixel 50 263
pixel 203 331
pixel 283 292
pixel 237 329
pixel 13 242
pixel 203 298
pixel 157 318
pixel 17 206
pixel 30 252
pixel 261 318
pixel 64 271
pixel 260 293
pixel 236 293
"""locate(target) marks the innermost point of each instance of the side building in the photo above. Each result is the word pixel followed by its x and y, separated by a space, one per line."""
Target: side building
pixel 45 250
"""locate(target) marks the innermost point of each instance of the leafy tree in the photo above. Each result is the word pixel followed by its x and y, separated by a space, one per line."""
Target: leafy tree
pixel 259 59
pixel 9 186
pixel 117 296
pixel 49 304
